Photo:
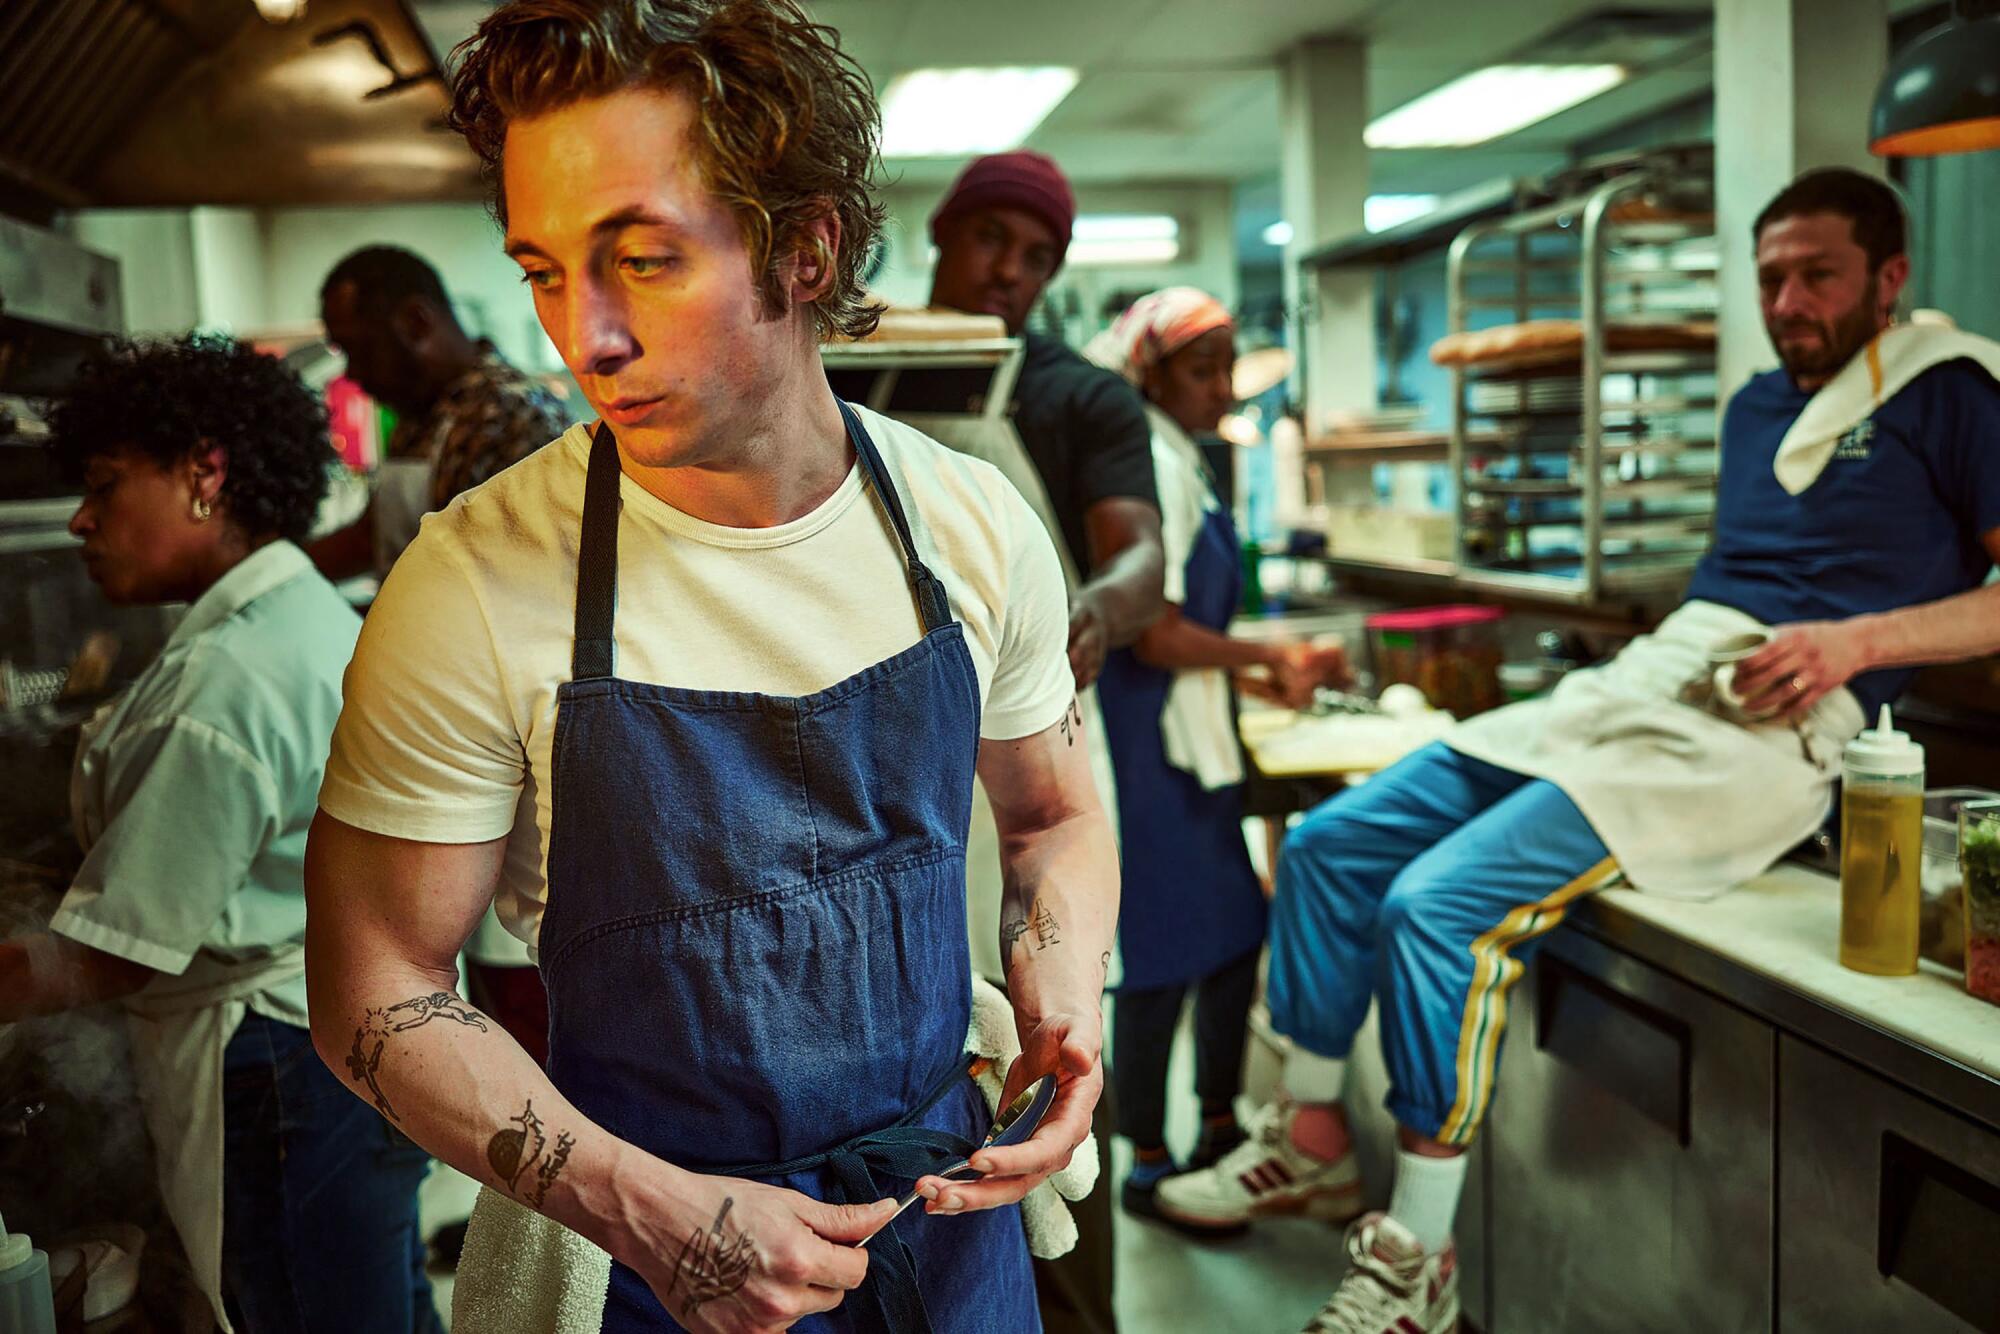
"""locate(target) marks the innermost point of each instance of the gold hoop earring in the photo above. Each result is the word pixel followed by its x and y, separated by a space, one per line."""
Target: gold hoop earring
pixel 202 509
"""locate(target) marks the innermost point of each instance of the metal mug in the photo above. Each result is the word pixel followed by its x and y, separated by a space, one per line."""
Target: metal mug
pixel 1723 657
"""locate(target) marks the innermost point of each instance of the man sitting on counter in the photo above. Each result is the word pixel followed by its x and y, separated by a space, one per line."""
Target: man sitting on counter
pixel 1858 513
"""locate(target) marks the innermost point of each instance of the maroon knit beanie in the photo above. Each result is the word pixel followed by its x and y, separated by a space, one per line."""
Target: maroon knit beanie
pixel 1020 179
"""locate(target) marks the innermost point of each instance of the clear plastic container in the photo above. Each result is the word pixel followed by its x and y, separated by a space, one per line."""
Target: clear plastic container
pixel 1881 850
pixel 1452 654
pixel 27 1306
pixel 1979 859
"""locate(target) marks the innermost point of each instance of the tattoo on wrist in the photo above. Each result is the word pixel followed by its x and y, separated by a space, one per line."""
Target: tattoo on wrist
pixel 523 1160
pixel 364 1062
pixel 712 1264
pixel 1010 932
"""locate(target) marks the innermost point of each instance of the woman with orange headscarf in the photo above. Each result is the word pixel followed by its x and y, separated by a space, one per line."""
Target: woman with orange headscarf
pixel 1193 914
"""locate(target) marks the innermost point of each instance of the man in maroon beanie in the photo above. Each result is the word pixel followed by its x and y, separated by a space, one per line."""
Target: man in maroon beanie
pixel 1001 234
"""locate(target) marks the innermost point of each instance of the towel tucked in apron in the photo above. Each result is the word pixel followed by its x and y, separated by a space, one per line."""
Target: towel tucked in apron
pixel 1690 804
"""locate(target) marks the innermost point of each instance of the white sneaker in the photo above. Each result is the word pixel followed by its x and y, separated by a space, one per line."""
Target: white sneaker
pixel 1392 1286
pixel 1265 1174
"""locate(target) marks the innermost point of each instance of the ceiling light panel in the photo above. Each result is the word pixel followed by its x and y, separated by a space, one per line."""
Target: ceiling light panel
pixel 1124 238
pixel 958 112
pixel 1489 104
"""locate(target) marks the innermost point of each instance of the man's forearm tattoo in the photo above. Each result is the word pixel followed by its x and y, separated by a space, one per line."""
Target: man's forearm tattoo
pixel 364 1062
pixel 1047 931
pixel 1046 927
pixel 366 1059
pixel 420 1010
pixel 713 1264
pixel 521 1157
pixel 1072 722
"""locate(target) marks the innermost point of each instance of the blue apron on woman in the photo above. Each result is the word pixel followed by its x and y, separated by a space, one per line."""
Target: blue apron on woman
pixel 1191 900
pixel 754 943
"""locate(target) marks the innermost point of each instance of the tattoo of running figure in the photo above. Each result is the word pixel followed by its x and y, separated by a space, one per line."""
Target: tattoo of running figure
pixel 364 1063
pixel 1072 722
pixel 521 1157
pixel 712 1264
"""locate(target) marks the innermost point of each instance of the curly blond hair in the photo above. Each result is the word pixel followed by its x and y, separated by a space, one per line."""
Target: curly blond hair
pixel 787 127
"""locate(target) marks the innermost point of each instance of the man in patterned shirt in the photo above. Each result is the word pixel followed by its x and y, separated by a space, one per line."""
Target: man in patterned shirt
pixel 463 413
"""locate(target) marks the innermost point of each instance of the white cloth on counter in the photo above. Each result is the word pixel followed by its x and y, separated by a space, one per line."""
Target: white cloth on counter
pixel 1198 723
pixel 1873 376
pixel 523 1273
pixel 1689 804
pixel 450 731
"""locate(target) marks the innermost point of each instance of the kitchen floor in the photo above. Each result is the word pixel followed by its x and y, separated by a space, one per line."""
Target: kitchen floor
pixel 1270 1282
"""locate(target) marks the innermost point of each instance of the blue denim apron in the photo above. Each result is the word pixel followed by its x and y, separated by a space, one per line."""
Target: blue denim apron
pixel 1191 902
pixel 755 936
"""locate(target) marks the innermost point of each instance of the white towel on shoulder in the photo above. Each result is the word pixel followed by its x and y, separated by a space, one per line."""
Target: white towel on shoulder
pixel 1873 376
pixel 522 1273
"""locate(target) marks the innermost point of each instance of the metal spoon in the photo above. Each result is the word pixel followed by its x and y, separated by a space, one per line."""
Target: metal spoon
pixel 1015 1123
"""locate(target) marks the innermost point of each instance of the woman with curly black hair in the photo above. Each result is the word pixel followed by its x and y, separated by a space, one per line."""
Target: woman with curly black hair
pixel 203 463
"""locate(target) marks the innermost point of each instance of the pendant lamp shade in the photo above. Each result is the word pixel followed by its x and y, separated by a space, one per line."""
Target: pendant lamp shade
pixel 1941 93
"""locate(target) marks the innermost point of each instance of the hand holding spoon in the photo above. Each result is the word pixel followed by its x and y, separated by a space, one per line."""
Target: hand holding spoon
pixel 1017 1121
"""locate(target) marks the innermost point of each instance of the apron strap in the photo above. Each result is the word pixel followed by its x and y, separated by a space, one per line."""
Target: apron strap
pixel 597 549
pixel 597 562
pixel 933 604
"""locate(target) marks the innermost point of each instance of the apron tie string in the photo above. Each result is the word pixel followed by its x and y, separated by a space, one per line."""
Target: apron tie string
pixel 902 1152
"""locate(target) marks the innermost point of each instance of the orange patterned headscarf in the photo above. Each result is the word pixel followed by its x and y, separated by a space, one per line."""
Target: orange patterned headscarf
pixel 1156 326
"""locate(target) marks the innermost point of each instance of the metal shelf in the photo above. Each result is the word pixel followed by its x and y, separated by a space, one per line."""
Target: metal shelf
pixel 1591 531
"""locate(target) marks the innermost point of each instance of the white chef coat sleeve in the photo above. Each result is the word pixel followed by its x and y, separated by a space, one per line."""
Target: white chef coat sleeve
pixel 1032 686
pixel 191 812
pixel 427 747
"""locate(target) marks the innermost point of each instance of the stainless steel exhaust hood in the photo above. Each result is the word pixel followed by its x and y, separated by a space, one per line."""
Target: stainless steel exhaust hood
pixel 187 102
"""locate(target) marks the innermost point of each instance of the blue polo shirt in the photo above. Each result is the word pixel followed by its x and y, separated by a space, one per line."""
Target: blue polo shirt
pixel 1894 520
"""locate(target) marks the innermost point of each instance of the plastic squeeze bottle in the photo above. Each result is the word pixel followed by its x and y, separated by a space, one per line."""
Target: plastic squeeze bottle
pixel 27 1306
pixel 1881 850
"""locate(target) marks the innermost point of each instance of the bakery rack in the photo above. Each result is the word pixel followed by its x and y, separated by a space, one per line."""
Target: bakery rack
pixel 1585 466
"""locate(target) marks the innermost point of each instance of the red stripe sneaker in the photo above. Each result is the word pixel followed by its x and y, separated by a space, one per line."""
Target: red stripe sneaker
pixel 1392 1285
pixel 1266 1174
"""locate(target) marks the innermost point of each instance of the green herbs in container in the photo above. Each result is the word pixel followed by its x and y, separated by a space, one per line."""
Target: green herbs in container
pixel 1979 859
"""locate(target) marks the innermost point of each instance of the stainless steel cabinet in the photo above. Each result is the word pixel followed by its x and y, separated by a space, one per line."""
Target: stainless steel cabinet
pixel 1889 1206
pixel 1630 1142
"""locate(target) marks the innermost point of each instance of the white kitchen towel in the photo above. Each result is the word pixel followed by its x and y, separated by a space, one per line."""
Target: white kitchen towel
pixel 521 1273
pixel 1198 721
pixel 1896 356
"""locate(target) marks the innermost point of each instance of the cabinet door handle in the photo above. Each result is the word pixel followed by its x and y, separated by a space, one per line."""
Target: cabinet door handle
pixel 1623 1045
pixel 1940 1231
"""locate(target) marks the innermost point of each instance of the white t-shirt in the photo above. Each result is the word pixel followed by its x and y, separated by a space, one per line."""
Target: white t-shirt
pixel 450 712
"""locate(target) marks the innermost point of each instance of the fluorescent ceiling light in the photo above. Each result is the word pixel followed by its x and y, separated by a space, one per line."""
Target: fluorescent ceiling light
pixel 954 112
pixel 1381 212
pixel 1489 103
pixel 1124 238
pixel 1378 213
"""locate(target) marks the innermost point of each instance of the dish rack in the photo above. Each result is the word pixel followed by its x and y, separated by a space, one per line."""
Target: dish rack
pixel 1585 473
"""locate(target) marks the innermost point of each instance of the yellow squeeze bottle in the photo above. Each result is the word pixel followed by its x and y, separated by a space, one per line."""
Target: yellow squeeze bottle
pixel 1881 850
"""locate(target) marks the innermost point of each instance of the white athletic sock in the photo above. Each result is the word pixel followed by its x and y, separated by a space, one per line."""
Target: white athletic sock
pixel 1310 1077
pixel 1425 1197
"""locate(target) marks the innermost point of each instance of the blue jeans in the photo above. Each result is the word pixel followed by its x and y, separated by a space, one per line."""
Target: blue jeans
pixel 319 1227
pixel 1426 888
